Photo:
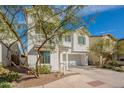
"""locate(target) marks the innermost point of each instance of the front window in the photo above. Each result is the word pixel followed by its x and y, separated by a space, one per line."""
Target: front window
pixel 68 38
pixel 81 40
pixel 45 57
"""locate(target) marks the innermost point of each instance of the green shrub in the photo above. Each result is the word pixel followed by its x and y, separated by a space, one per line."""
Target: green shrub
pixel 114 64
pixel 9 77
pixel 3 70
pixel 118 69
pixel 44 69
pixel 97 63
pixel 108 66
pixel 5 85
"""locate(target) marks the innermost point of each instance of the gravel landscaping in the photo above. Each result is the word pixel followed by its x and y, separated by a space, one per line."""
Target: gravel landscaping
pixel 27 81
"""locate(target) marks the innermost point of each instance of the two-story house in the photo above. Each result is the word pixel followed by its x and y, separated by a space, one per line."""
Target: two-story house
pixel 108 43
pixel 120 48
pixel 71 50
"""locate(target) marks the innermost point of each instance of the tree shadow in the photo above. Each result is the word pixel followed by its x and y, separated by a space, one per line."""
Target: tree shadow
pixel 25 79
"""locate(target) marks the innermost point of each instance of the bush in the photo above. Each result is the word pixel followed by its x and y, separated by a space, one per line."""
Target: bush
pixel 118 69
pixel 114 64
pixel 44 69
pixel 9 77
pixel 3 70
pixel 5 85
pixel 108 66
pixel 97 64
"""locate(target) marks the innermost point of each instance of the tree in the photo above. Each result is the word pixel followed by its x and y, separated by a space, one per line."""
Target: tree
pixel 15 25
pixel 119 48
pixel 9 17
pixel 51 21
pixel 100 50
pixel 54 21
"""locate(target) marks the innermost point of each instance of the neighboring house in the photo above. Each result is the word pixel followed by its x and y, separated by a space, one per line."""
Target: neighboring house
pixel 108 40
pixel 120 55
pixel 3 54
pixel 8 39
pixel 71 50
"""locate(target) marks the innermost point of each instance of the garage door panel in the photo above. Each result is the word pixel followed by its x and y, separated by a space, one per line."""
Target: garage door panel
pixel 74 60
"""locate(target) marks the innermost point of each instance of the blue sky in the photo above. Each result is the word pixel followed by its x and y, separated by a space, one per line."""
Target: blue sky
pixel 110 19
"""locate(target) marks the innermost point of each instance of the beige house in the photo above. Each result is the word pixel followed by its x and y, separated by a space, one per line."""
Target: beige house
pixel 108 40
pixel 120 55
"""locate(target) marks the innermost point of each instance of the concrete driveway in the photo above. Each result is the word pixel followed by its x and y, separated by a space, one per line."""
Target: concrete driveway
pixel 89 77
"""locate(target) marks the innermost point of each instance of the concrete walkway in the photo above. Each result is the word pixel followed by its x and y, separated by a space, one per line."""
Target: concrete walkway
pixel 89 78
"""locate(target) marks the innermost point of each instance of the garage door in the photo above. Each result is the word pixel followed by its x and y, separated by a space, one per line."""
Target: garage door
pixel 74 60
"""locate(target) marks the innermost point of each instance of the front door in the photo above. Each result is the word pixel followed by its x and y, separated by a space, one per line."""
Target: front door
pixel 45 57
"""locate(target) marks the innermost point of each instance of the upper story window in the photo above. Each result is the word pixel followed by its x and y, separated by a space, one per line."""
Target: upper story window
pixel 60 38
pixel 81 40
pixel 99 40
pixel 68 38
pixel 107 42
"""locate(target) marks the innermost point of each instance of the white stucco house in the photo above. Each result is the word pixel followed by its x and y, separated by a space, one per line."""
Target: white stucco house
pixel 71 50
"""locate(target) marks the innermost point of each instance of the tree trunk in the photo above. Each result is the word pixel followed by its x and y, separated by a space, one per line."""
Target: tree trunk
pixel 100 61
pixel 59 63
pixel 37 70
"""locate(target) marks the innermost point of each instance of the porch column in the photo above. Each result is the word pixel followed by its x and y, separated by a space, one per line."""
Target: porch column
pixel 59 59
pixel 67 61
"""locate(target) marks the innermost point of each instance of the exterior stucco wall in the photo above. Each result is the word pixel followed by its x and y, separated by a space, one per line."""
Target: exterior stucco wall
pixel 67 44
pixel 112 43
pixel 32 57
pixel 84 59
pixel 80 47
pixel 54 61
pixel 3 54
pixel 32 60
pixel 120 55
pixel 0 54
